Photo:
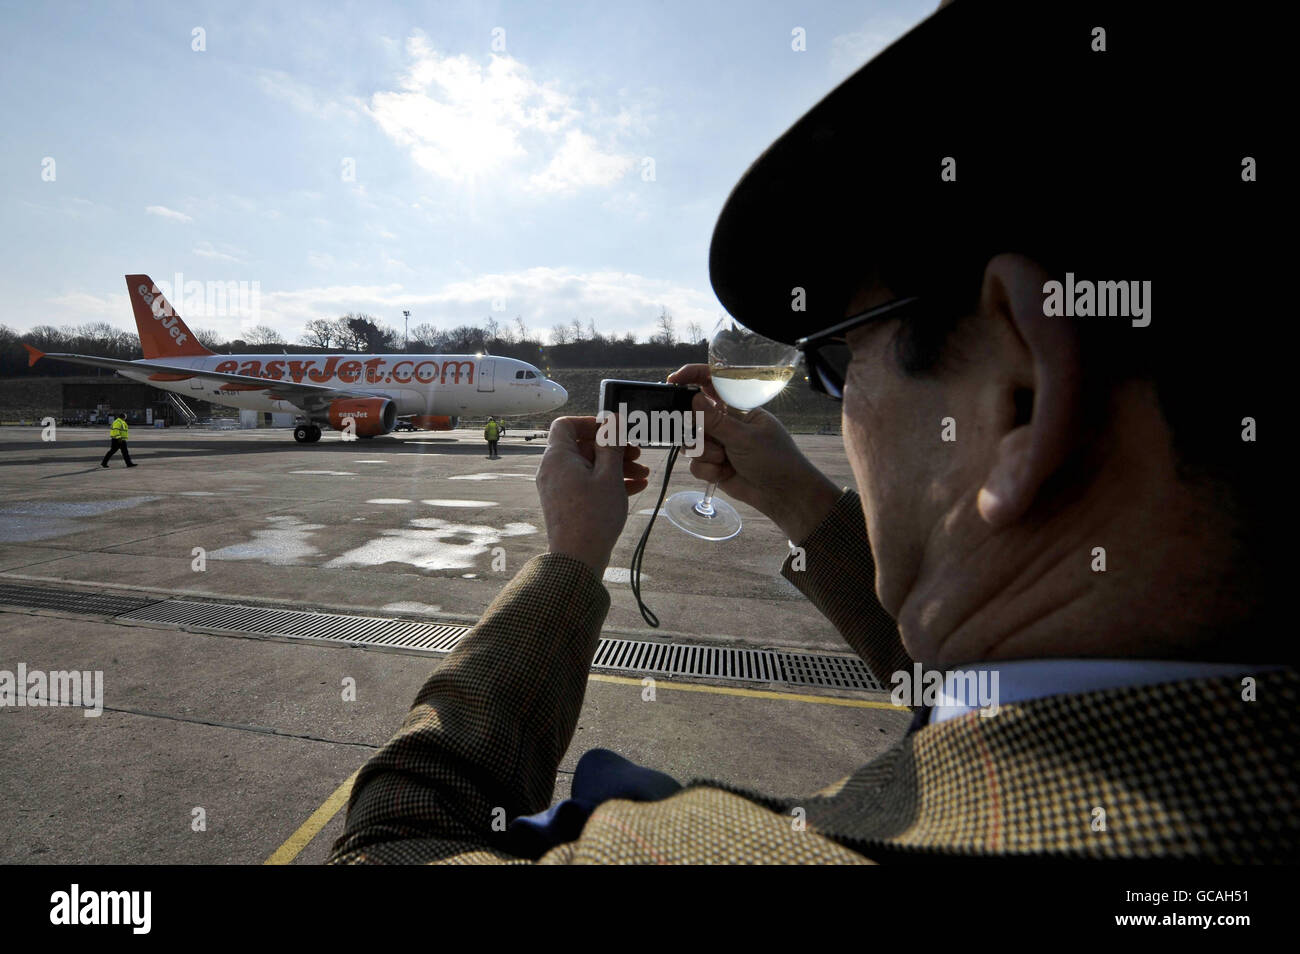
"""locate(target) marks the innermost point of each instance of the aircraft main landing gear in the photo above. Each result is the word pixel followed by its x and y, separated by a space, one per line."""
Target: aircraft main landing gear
pixel 306 433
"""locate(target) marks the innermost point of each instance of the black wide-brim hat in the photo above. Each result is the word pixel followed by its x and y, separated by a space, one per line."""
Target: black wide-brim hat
pixel 1129 157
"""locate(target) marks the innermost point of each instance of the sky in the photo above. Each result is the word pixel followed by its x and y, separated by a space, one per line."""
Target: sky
pixel 460 160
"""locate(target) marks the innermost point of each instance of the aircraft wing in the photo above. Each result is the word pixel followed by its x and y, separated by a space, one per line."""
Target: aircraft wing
pixel 309 397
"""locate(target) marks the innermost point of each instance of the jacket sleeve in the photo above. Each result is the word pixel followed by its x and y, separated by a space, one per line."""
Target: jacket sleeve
pixel 838 574
pixel 484 738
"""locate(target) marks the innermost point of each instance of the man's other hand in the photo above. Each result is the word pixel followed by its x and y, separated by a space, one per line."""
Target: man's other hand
pixel 754 459
pixel 584 489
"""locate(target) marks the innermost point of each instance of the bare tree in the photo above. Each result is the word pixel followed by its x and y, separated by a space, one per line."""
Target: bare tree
pixel 694 333
pixel 320 333
pixel 559 334
pixel 491 329
pixel 592 333
pixel 667 333
pixel 426 335
pixel 349 332
pixel 46 338
pixel 264 335
pixel 521 328
pixel 575 330
pixel 212 340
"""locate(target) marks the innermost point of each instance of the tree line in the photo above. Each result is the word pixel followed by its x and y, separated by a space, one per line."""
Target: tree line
pixel 567 345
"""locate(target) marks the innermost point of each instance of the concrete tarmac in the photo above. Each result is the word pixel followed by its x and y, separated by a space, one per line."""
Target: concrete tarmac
pixel 214 748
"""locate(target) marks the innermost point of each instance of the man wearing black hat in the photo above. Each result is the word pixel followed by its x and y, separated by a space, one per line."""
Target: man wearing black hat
pixel 1015 245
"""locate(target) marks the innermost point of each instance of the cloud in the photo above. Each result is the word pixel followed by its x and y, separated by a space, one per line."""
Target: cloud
pixel 306 98
pixel 465 121
pixel 163 212
pixel 618 302
pixel 82 307
pixel 225 254
pixel 580 163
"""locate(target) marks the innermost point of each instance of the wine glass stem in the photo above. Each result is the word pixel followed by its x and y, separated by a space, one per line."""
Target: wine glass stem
pixel 705 506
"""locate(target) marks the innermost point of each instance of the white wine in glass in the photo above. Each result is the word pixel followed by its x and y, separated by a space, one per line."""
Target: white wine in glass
pixel 748 370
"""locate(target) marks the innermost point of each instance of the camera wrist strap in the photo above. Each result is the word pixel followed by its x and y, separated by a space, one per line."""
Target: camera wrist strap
pixel 639 553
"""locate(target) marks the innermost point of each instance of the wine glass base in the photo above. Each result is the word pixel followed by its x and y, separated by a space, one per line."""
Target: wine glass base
pixel 681 510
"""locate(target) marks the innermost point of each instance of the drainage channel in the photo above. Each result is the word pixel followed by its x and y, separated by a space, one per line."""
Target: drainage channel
pixel 618 655
pixel 612 655
pixel 70 601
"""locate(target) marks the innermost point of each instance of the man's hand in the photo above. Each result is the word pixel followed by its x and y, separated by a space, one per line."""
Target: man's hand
pixel 756 461
pixel 584 489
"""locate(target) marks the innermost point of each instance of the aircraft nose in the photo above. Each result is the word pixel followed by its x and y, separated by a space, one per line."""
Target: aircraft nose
pixel 558 394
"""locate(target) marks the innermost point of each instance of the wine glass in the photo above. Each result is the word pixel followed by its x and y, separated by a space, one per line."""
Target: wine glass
pixel 748 370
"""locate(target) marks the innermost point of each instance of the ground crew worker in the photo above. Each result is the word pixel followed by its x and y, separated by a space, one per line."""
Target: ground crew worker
pixel 492 434
pixel 118 432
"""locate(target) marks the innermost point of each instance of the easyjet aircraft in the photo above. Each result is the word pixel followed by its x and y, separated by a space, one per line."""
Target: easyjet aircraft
pixel 327 390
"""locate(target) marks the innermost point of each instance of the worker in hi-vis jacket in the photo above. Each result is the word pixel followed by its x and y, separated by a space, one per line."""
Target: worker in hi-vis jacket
pixel 119 433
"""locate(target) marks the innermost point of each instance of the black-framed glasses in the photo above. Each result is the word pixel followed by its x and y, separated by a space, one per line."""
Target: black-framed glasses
pixel 827 352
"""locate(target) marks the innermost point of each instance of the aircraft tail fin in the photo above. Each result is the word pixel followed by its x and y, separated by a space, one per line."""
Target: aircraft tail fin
pixel 162 332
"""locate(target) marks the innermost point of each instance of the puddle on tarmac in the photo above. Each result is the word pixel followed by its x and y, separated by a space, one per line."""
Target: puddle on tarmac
pixel 327 473
pixel 410 606
pixel 434 545
pixel 490 476
pixel 25 521
pixel 285 543
pixel 197 493
pixel 467 504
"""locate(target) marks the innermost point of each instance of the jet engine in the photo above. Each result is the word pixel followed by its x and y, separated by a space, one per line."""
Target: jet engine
pixel 370 416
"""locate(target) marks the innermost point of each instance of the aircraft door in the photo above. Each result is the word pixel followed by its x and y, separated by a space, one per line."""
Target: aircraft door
pixel 485 368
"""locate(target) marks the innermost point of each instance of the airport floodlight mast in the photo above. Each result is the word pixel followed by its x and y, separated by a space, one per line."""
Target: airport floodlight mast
pixel 406 335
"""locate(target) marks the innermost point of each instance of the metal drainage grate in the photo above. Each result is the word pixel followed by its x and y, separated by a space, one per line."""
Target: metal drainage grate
pixel 832 672
pixel 737 665
pixel 300 624
pixel 617 655
pixel 70 601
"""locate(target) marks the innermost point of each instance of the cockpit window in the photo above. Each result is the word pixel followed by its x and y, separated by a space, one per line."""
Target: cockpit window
pixel 519 374
pixel 531 374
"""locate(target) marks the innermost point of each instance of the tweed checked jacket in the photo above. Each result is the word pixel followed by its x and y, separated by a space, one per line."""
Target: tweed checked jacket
pixel 1181 770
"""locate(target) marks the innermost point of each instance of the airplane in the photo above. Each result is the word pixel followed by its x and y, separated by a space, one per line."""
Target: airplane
pixel 362 393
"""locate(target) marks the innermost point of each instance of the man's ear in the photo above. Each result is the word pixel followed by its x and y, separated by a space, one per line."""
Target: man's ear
pixel 1031 451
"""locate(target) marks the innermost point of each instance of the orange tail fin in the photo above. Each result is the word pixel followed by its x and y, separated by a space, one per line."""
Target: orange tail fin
pixel 162 332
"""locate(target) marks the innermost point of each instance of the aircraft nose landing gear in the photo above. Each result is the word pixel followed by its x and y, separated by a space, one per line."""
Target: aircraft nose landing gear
pixel 306 433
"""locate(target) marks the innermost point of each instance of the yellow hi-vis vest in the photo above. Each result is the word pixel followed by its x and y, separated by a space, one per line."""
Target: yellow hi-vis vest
pixel 492 431
pixel 119 429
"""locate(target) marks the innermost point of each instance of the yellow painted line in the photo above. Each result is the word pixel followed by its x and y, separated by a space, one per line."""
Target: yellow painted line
pixel 753 693
pixel 309 829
